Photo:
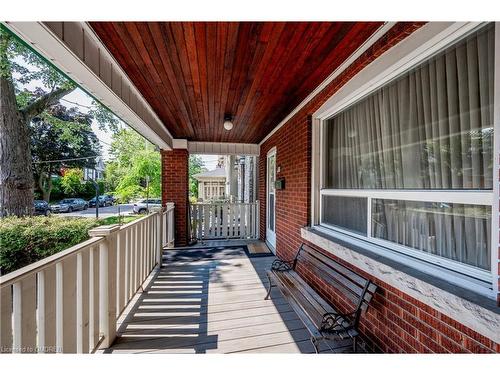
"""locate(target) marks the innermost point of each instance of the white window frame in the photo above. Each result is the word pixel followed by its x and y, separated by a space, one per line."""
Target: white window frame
pixel 418 47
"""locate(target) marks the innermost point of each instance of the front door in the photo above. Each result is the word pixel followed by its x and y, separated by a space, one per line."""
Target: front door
pixel 271 200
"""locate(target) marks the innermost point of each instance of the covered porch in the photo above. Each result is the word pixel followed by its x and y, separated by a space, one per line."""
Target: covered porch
pixel 141 289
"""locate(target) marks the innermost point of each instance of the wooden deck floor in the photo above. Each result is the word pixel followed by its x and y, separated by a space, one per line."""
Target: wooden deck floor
pixel 211 301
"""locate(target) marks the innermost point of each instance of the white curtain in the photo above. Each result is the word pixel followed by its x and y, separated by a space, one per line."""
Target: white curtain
pixel 432 128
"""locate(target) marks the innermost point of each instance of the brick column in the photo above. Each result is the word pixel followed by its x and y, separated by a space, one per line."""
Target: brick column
pixel 175 188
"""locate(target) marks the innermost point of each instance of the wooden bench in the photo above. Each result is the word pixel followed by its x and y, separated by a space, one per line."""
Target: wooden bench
pixel 322 320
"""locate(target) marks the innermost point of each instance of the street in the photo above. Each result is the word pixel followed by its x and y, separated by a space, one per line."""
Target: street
pixel 123 209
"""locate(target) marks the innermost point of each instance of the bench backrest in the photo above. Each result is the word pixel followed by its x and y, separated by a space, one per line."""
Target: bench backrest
pixel 356 288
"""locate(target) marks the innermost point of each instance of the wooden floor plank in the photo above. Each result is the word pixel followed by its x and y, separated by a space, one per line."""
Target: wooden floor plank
pixel 211 306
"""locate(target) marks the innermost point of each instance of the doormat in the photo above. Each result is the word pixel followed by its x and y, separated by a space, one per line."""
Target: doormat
pixel 213 253
pixel 258 249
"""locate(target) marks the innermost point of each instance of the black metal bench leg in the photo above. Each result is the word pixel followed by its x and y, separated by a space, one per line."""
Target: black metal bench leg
pixel 354 344
pixel 315 344
pixel 269 288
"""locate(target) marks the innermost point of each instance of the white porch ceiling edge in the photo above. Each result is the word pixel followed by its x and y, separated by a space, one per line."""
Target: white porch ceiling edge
pixel 223 148
pixel 77 52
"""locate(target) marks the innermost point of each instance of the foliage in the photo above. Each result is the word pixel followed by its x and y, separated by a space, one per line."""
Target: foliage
pixel 71 182
pixel 61 134
pixel 57 189
pixel 196 165
pixel 135 163
pixel 57 132
pixel 24 66
pixel 29 239
pixel 72 185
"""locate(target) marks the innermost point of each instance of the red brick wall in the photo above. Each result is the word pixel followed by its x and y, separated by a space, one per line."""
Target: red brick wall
pixel 175 189
pixel 395 322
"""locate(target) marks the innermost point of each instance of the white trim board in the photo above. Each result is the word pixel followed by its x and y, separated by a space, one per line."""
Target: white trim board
pixel 79 55
pixel 417 47
pixel 223 148
pixel 367 44
pixel 495 258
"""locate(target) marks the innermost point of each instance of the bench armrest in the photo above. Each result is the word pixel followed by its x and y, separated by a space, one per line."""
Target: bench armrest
pixel 335 321
pixel 281 265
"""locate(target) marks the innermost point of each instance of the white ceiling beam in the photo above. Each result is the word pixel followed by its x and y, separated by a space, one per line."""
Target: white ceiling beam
pixel 223 148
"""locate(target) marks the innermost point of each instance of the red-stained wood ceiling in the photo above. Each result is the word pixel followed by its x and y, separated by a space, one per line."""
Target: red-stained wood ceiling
pixel 193 73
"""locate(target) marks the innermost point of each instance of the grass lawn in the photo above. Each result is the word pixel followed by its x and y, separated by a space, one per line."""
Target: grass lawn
pixel 116 219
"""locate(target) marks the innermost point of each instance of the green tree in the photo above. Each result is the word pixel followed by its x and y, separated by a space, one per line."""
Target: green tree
pixel 196 165
pixel 135 163
pixel 57 137
pixel 72 181
pixel 20 69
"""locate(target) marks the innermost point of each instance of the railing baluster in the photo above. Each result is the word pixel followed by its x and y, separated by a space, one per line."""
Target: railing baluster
pixel 16 317
pixel 200 221
pixel 69 302
pixel 224 220
pixel 82 301
pixel 6 319
pixel 28 314
pixel 206 213
pixel 93 301
pixel 257 221
pixel 143 250
pixel 159 236
pixel 146 248
pixel 243 221
pixel 141 253
pixel 126 268
pixel 59 307
pixel 135 249
pixel 47 310
pixel 120 272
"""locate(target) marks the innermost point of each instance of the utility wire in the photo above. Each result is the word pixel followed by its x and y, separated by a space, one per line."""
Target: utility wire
pixel 61 160
pixel 77 104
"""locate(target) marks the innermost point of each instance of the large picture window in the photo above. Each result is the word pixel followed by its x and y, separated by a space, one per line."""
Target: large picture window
pixel 410 166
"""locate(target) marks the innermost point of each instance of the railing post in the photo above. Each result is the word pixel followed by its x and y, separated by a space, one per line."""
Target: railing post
pixel 107 282
pixel 171 223
pixel 159 233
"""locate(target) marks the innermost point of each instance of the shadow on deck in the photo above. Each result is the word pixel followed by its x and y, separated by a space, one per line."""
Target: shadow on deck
pixel 211 300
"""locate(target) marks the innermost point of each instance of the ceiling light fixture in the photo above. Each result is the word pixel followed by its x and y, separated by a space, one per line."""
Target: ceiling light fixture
pixel 228 123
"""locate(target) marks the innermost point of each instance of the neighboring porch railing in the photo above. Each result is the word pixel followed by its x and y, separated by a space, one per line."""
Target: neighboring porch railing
pixel 70 301
pixel 224 220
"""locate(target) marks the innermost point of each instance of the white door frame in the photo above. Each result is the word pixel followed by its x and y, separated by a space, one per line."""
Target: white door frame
pixel 270 189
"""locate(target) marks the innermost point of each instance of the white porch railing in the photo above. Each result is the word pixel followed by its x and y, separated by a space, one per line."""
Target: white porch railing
pixel 224 220
pixel 168 225
pixel 70 301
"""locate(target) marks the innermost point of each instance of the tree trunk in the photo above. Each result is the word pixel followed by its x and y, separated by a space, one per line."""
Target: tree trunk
pixel 45 184
pixel 16 175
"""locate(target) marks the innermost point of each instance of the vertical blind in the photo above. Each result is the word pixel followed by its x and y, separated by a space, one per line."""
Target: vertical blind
pixel 431 128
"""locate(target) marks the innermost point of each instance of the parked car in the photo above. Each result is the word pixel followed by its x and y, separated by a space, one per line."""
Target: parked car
pixel 42 208
pixel 70 205
pixel 108 199
pixel 142 206
pixel 102 202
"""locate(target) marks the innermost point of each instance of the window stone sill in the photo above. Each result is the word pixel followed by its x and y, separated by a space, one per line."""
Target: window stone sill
pixel 477 312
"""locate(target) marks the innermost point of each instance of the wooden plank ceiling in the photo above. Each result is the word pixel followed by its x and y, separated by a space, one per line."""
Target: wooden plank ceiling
pixel 192 73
